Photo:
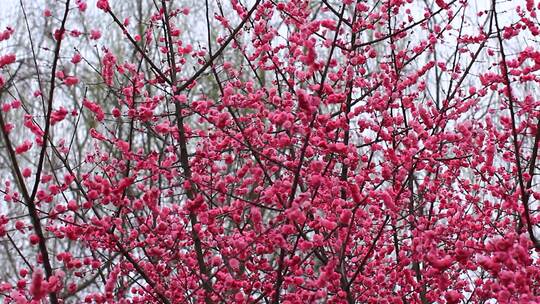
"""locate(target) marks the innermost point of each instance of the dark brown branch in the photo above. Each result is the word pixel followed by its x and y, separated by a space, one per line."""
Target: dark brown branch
pixel 515 141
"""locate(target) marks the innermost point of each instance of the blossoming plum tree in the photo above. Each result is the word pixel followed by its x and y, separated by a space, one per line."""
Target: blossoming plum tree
pixel 270 151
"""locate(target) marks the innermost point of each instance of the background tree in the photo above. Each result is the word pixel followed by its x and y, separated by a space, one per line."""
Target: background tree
pixel 270 152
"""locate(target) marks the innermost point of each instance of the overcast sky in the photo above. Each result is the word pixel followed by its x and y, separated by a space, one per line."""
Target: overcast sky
pixel 7 11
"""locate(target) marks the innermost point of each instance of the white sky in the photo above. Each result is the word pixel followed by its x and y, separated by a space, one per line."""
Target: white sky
pixel 7 12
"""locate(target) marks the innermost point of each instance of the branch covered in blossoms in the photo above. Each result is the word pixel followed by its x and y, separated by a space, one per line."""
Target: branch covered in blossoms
pixel 270 151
